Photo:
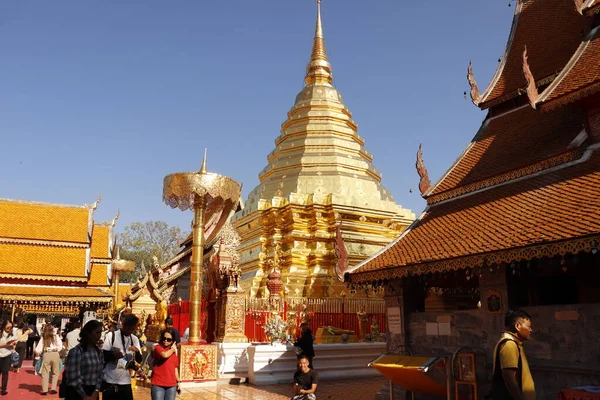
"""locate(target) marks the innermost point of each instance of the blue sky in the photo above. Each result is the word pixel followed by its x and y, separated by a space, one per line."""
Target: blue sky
pixel 110 96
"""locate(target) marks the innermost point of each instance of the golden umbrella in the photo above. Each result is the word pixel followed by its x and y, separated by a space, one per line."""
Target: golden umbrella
pixel 212 197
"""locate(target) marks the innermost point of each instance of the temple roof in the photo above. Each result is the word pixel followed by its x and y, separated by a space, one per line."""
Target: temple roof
pixel 551 30
pixel 53 242
pixel 508 143
pixel 580 77
pixel 22 261
pixel 545 208
pixel 102 241
pixel 45 221
pixel 53 293
pixel 99 275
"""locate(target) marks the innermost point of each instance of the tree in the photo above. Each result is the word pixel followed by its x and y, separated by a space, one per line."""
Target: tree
pixel 140 241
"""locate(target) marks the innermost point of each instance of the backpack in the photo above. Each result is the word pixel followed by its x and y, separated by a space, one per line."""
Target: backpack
pixel 499 391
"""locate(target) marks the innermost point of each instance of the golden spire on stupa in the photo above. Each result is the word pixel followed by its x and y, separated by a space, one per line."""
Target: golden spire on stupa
pixel 318 176
pixel 319 68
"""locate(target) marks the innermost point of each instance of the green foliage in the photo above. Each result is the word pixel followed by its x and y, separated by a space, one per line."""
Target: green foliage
pixel 140 241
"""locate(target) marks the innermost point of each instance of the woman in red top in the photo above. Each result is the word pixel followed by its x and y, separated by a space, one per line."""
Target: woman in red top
pixel 165 376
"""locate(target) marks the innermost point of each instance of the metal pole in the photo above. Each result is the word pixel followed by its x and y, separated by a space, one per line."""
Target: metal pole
pixel 196 273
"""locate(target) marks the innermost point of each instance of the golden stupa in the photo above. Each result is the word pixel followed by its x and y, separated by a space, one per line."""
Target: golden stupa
pixel 319 177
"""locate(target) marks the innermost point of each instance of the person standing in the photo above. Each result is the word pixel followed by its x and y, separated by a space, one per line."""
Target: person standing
pixel 165 376
pixel 73 336
pixel 23 332
pixel 31 340
pixel 48 347
pixel 305 381
pixel 121 348
pixel 85 363
pixel 7 345
pixel 305 343
pixel 512 378
pixel 176 334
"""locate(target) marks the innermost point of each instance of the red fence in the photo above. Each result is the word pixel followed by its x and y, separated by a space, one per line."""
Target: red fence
pixel 342 314
pixel 180 312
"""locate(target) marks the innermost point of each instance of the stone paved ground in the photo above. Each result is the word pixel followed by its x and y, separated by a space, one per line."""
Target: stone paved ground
pixel 27 386
pixel 355 389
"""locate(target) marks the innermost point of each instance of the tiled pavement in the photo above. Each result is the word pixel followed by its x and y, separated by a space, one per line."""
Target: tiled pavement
pixel 355 389
pixel 27 386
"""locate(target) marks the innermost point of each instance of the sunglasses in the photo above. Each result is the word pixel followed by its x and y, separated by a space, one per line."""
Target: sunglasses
pixel 166 339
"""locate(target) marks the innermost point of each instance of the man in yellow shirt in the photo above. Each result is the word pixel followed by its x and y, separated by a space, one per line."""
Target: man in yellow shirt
pixel 512 378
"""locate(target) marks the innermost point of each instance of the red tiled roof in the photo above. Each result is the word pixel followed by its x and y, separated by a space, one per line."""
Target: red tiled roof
pixel 512 141
pixel 553 206
pixel 551 30
pixel 581 76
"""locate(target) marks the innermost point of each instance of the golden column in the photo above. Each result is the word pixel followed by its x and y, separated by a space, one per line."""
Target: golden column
pixel 212 197
pixel 119 266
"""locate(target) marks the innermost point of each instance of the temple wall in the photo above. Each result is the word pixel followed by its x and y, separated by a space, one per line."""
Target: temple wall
pixel 565 351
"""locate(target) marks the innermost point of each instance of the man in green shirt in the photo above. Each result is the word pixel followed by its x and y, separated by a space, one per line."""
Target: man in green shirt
pixel 512 378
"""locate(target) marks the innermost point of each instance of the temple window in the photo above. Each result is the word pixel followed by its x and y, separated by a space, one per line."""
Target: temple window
pixel 571 279
pixel 446 291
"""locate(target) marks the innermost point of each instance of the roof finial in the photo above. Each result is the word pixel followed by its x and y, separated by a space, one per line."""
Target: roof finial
pixel 203 168
pixel 475 96
pixel 532 92
pixel 318 69
pixel 424 182
pixel 95 204
pixel 114 221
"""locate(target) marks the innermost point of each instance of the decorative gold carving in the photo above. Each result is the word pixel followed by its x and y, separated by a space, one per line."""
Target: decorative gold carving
pixel 573 246
pixel 518 173
pixel 341 254
pixel 475 95
pixel 532 92
pixel 424 182
pixel 234 301
pixel 198 362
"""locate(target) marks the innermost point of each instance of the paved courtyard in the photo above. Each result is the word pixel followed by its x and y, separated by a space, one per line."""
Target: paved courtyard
pixel 27 386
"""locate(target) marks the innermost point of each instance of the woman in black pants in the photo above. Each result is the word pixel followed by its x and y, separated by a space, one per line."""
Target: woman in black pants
pixel 7 345
pixel 23 332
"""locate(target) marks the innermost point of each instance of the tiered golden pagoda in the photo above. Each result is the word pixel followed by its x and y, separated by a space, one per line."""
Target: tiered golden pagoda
pixel 319 176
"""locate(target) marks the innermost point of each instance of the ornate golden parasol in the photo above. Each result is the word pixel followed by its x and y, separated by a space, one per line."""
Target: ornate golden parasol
pixel 212 197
